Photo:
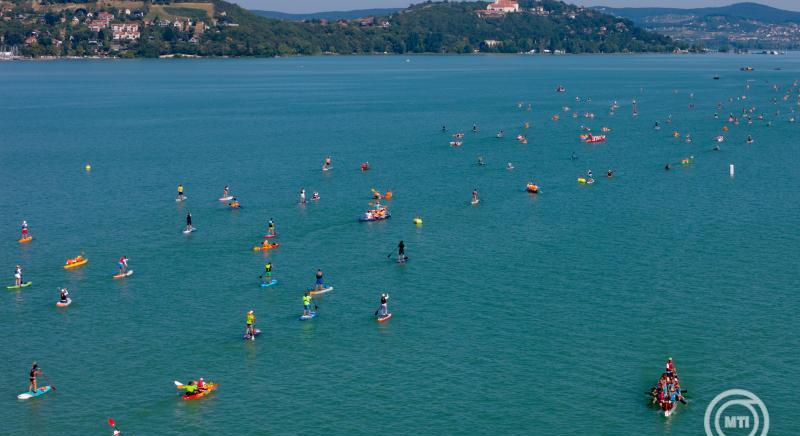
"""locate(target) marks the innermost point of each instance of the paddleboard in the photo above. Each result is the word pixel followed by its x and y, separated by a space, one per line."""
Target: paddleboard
pixel 384 318
pixel 327 168
pixel 122 276
pixel 270 283
pixel 186 232
pixel 24 285
pixel 25 240
pixel 228 198
pixel 404 260
pixel 60 304
pixel 474 202
pixel 311 315
pixel 321 291
pixel 270 236
pixel 256 332
pixel 39 392
pixel 181 199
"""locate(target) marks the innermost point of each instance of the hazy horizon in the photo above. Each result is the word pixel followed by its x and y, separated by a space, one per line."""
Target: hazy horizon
pixel 308 6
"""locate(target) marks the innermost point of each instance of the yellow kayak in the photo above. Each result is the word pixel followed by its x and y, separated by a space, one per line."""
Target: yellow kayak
pixel 75 263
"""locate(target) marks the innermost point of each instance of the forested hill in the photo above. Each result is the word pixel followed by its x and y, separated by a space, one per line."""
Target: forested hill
pixel 218 28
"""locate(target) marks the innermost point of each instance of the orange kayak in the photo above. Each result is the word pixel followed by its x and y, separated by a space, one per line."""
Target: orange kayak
pixel 267 248
pixel 209 387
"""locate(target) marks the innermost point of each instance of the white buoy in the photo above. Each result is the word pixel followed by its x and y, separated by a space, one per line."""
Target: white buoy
pixel 731 170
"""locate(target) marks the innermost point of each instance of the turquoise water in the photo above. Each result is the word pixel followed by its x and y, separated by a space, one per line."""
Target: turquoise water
pixel 548 314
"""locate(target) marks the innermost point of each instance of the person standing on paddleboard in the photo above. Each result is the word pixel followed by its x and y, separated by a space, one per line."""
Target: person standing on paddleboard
pixel 271 227
pixel 180 192
pixel 474 195
pixel 226 191
pixel 35 371
pixel 18 276
pixel 319 284
pixel 123 264
pixel 188 221
pixel 383 310
pixel 307 300
pixel 302 196
pixel 401 252
pixel 250 332
pixel 24 229
pixel 268 272
pixel 63 295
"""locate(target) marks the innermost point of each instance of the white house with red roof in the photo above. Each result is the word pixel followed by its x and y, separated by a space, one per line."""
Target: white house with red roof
pixel 504 6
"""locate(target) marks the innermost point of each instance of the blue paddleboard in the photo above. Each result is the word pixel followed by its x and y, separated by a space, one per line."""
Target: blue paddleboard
pixel 39 392
pixel 307 317
pixel 270 283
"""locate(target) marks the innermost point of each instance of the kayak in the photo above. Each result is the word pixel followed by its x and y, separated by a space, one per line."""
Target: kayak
pixel 262 248
pixel 256 332
pixel 385 217
pixel 123 275
pixel 228 198
pixel 311 315
pixel 76 264
pixel 25 240
pixel 384 318
pixel 60 303
pixel 270 283
pixel 39 392
pixel 193 229
pixel 24 285
pixel 210 386
pixel 321 291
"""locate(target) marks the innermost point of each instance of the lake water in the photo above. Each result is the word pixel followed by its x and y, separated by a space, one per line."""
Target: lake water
pixel 525 314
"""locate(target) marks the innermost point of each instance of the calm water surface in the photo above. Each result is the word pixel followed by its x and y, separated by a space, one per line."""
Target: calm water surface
pixel 548 314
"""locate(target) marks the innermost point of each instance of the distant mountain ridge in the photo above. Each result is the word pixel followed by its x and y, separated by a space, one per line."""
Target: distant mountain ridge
pixel 740 26
pixel 747 10
pixel 329 15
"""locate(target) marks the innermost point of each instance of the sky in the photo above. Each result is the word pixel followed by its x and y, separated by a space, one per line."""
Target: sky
pixel 305 6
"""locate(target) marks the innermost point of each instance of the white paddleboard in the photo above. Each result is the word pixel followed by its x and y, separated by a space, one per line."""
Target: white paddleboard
pixel 186 232
pixel 321 291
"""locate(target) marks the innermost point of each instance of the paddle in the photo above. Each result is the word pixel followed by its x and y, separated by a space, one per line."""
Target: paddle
pixel 178 384
pixel 47 380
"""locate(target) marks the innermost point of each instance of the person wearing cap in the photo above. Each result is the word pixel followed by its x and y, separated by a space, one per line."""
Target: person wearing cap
pixel 24 229
pixel 201 384
pixel 18 275
pixel 384 309
pixel 249 331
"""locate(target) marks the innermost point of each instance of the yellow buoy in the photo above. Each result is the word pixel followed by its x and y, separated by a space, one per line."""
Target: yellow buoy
pixel 418 221
pixel 88 167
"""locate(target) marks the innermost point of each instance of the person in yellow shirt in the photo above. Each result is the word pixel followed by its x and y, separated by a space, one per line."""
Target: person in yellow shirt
pixel 250 332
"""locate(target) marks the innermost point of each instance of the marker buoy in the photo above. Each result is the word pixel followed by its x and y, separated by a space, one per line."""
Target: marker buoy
pixel 88 167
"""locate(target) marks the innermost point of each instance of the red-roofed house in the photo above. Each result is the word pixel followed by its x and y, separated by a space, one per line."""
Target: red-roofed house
pixel 503 6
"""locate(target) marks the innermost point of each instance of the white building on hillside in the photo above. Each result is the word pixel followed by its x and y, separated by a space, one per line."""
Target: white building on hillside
pixel 503 6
